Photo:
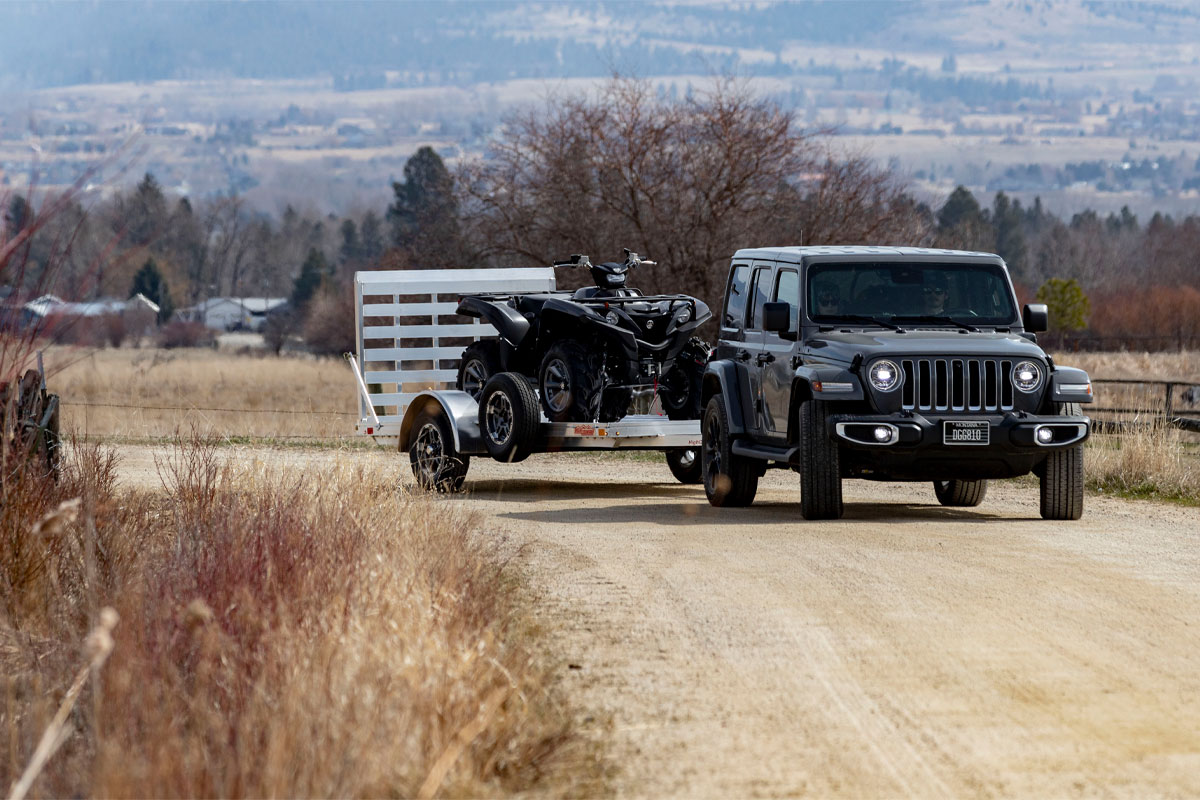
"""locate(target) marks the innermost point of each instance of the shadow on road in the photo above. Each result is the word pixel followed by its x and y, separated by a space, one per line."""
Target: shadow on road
pixel 687 505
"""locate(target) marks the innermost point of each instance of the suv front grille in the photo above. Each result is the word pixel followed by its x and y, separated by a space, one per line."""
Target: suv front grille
pixel 957 384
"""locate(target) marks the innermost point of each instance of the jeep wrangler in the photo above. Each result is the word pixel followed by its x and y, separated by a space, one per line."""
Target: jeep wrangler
pixel 888 364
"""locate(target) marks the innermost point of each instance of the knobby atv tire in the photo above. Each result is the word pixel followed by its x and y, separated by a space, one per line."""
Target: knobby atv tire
pixel 685 464
pixel 729 480
pixel 681 387
pixel 578 397
pixel 436 465
pixel 956 493
pixel 1062 477
pixel 820 471
pixel 508 417
pixel 480 361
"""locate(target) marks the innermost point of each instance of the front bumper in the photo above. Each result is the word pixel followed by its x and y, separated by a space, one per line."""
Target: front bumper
pixel 916 447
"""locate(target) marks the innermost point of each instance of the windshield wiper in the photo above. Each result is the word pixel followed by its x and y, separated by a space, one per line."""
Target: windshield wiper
pixel 942 319
pixel 862 318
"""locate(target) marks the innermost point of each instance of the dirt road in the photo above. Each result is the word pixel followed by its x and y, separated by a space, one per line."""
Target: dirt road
pixel 906 650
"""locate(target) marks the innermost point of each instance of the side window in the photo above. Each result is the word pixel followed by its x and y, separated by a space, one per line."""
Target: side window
pixel 735 297
pixel 787 290
pixel 759 291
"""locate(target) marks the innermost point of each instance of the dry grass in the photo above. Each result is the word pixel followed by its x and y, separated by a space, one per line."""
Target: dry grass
pixel 310 397
pixel 1147 459
pixel 281 635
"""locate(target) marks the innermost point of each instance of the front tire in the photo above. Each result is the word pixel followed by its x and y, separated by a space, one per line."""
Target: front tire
pixel 508 417
pixel 729 480
pixel 480 361
pixel 685 464
pixel 820 476
pixel 570 383
pixel 960 494
pixel 436 465
pixel 681 387
pixel 1061 477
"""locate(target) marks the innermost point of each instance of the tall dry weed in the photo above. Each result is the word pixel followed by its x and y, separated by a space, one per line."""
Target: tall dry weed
pixel 1150 459
pixel 285 634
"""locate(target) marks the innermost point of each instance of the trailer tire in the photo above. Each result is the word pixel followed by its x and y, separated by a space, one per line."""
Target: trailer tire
pixel 508 417
pixel 685 464
pixel 436 465
pixel 480 361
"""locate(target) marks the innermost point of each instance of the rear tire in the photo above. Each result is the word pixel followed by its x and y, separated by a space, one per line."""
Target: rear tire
pixel 1062 477
pixel 436 465
pixel 729 480
pixel 820 476
pixel 685 464
pixel 508 417
pixel 570 381
pixel 960 494
pixel 480 361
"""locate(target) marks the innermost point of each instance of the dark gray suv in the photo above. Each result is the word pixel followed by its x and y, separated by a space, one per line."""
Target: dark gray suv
pixel 891 364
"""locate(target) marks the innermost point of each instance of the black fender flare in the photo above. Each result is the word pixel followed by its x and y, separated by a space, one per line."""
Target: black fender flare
pixel 804 387
pixel 720 377
pixel 508 322
pixel 563 314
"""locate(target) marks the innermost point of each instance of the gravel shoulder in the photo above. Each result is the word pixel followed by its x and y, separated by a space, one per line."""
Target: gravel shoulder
pixel 906 649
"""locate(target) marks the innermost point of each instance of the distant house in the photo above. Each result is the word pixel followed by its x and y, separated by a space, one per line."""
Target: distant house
pixel 234 313
pixel 139 314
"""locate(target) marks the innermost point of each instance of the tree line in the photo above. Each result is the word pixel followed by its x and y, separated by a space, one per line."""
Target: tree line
pixel 685 182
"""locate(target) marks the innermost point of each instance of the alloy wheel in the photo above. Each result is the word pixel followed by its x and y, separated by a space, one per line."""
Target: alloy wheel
pixel 556 384
pixel 499 418
pixel 431 453
pixel 474 377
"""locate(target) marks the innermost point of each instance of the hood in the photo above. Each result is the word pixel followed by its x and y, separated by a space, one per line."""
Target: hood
pixel 924 343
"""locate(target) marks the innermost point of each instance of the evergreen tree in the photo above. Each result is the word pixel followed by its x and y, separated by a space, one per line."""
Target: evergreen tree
pixel 145 213
pixel 351 245
pixel 1069 307
pixel 18 216
pixel 424 214
pixel 961 208
pixel 371 236
pixel 150 283
pixel 309 280
pixel 1010 238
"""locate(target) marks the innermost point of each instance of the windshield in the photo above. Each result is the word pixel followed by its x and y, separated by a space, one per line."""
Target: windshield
pixel 927 294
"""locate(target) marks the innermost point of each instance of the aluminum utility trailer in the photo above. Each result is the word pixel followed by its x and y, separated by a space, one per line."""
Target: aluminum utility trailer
pixel 409 342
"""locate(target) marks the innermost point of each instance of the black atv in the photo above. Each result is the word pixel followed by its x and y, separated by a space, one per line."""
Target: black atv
pixel 589 350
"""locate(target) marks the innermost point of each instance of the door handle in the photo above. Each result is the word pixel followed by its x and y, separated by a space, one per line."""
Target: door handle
pixel 764 358
pixel 743 355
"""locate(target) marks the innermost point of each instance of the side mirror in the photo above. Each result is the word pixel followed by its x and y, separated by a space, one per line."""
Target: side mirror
pixel 1036 318
pixel 777 317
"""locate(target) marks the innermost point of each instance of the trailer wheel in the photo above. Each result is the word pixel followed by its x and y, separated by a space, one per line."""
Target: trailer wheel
pixel 685 464
pixel 480 361
pixel 960 494
pixel 508 417
pixel 436 465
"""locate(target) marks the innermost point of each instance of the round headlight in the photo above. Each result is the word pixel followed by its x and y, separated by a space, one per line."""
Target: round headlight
pixel 885 375
pixel 683 315
pixel 612 318
pixel 1027 376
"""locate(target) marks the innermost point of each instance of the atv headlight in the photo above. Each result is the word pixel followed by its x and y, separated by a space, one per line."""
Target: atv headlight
pixel 683 315
pixel 884 375
pixel 612 318
pixel 1027 376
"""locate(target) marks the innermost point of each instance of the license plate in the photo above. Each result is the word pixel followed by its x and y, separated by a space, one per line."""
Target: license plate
pixel 965 432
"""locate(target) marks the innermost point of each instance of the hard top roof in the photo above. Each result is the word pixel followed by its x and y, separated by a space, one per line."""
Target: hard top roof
pixel 855 252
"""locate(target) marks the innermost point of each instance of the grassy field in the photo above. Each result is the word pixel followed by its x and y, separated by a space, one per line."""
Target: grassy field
pixel 280 633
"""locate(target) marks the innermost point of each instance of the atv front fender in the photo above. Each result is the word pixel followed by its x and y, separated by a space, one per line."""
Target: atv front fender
pixel 564 319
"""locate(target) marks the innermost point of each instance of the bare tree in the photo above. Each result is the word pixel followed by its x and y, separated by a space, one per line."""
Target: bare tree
pixel 685 183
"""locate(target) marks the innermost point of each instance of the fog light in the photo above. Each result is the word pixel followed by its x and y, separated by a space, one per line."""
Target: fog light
pixel 1044 435
pixel 883 434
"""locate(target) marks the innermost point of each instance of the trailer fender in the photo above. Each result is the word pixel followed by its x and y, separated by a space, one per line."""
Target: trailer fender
pixel 507 321
pixel 458 407
pixel 720 377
